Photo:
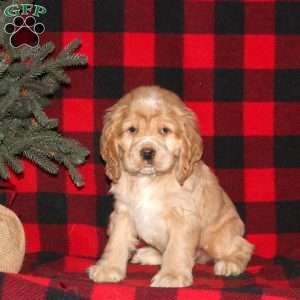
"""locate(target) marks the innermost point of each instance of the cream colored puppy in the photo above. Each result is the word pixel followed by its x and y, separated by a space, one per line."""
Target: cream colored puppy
pixel 164 194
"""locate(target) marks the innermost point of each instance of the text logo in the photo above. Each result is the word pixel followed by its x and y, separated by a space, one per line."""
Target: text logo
pixel 24 30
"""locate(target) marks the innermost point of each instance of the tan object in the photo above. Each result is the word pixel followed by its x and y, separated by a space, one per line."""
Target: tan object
pixel 164 194
pixel 12 241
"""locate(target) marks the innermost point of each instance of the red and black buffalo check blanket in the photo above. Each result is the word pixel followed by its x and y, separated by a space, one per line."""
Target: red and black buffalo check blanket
pixel 237 65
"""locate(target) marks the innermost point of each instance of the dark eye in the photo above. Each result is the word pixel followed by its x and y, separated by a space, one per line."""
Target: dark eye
pixel 165 130
pixel 132 129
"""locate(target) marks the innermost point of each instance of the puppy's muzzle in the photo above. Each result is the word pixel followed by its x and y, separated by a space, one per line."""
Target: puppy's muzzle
pixel 147 154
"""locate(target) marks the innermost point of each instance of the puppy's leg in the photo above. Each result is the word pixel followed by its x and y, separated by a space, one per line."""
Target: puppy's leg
pixel 147 256
pixel 202 257
pixel 230 250
pixel 122 240
pixel 236 261
pixel 179 256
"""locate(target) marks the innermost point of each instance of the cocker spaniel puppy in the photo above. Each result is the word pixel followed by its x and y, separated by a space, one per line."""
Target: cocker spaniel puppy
pixel 164 194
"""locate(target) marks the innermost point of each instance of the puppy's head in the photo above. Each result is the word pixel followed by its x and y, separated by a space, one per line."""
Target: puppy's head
pixel 150 132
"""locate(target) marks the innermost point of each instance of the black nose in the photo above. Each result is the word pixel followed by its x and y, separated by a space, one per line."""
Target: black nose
pixel 147 153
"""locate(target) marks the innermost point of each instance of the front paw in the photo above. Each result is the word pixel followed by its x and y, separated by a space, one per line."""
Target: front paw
pixel 227 268
pixel 171 280
pixel 105 273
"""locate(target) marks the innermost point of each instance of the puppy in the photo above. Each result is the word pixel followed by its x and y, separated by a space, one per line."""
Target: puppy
pixel 164 194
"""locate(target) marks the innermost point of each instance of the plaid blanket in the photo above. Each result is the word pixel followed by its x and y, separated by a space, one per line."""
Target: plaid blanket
pixel 237 65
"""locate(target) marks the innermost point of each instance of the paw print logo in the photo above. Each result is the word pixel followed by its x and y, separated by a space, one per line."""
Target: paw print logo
pixel 24 31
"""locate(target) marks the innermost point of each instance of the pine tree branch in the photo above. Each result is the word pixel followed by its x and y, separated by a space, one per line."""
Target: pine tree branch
pixel 7 101
pixel 3 169
pixel 41 117
pixel 3 67
pixel 43 53
pixel 41 160
pixel 46 148
pixel 28 78
pixel 76 177
pixel 69 49
pixel 11 161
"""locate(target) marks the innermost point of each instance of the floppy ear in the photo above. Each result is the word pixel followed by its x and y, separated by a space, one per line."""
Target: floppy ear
pixel 108 141
pixel 191 149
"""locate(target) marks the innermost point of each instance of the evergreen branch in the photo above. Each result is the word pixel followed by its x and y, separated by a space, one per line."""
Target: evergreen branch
pixel 60 76
pixel 18 146
pixel 45 146
pixel 36 72
pixel 51 83
pixel 3 170
pixel 38 87
pixel 73 60
pixel 4 87
pixel 18 69
pixel 8 100
pixel 69 49
pixel 74 174
pixel 43 52
pixel 41 160
pixel 51 152
pixel 26 53
pixel 22 109
pixel 59 144
pixel 41 117
pixel 3 68
pixel 11 161
pixel 27 78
